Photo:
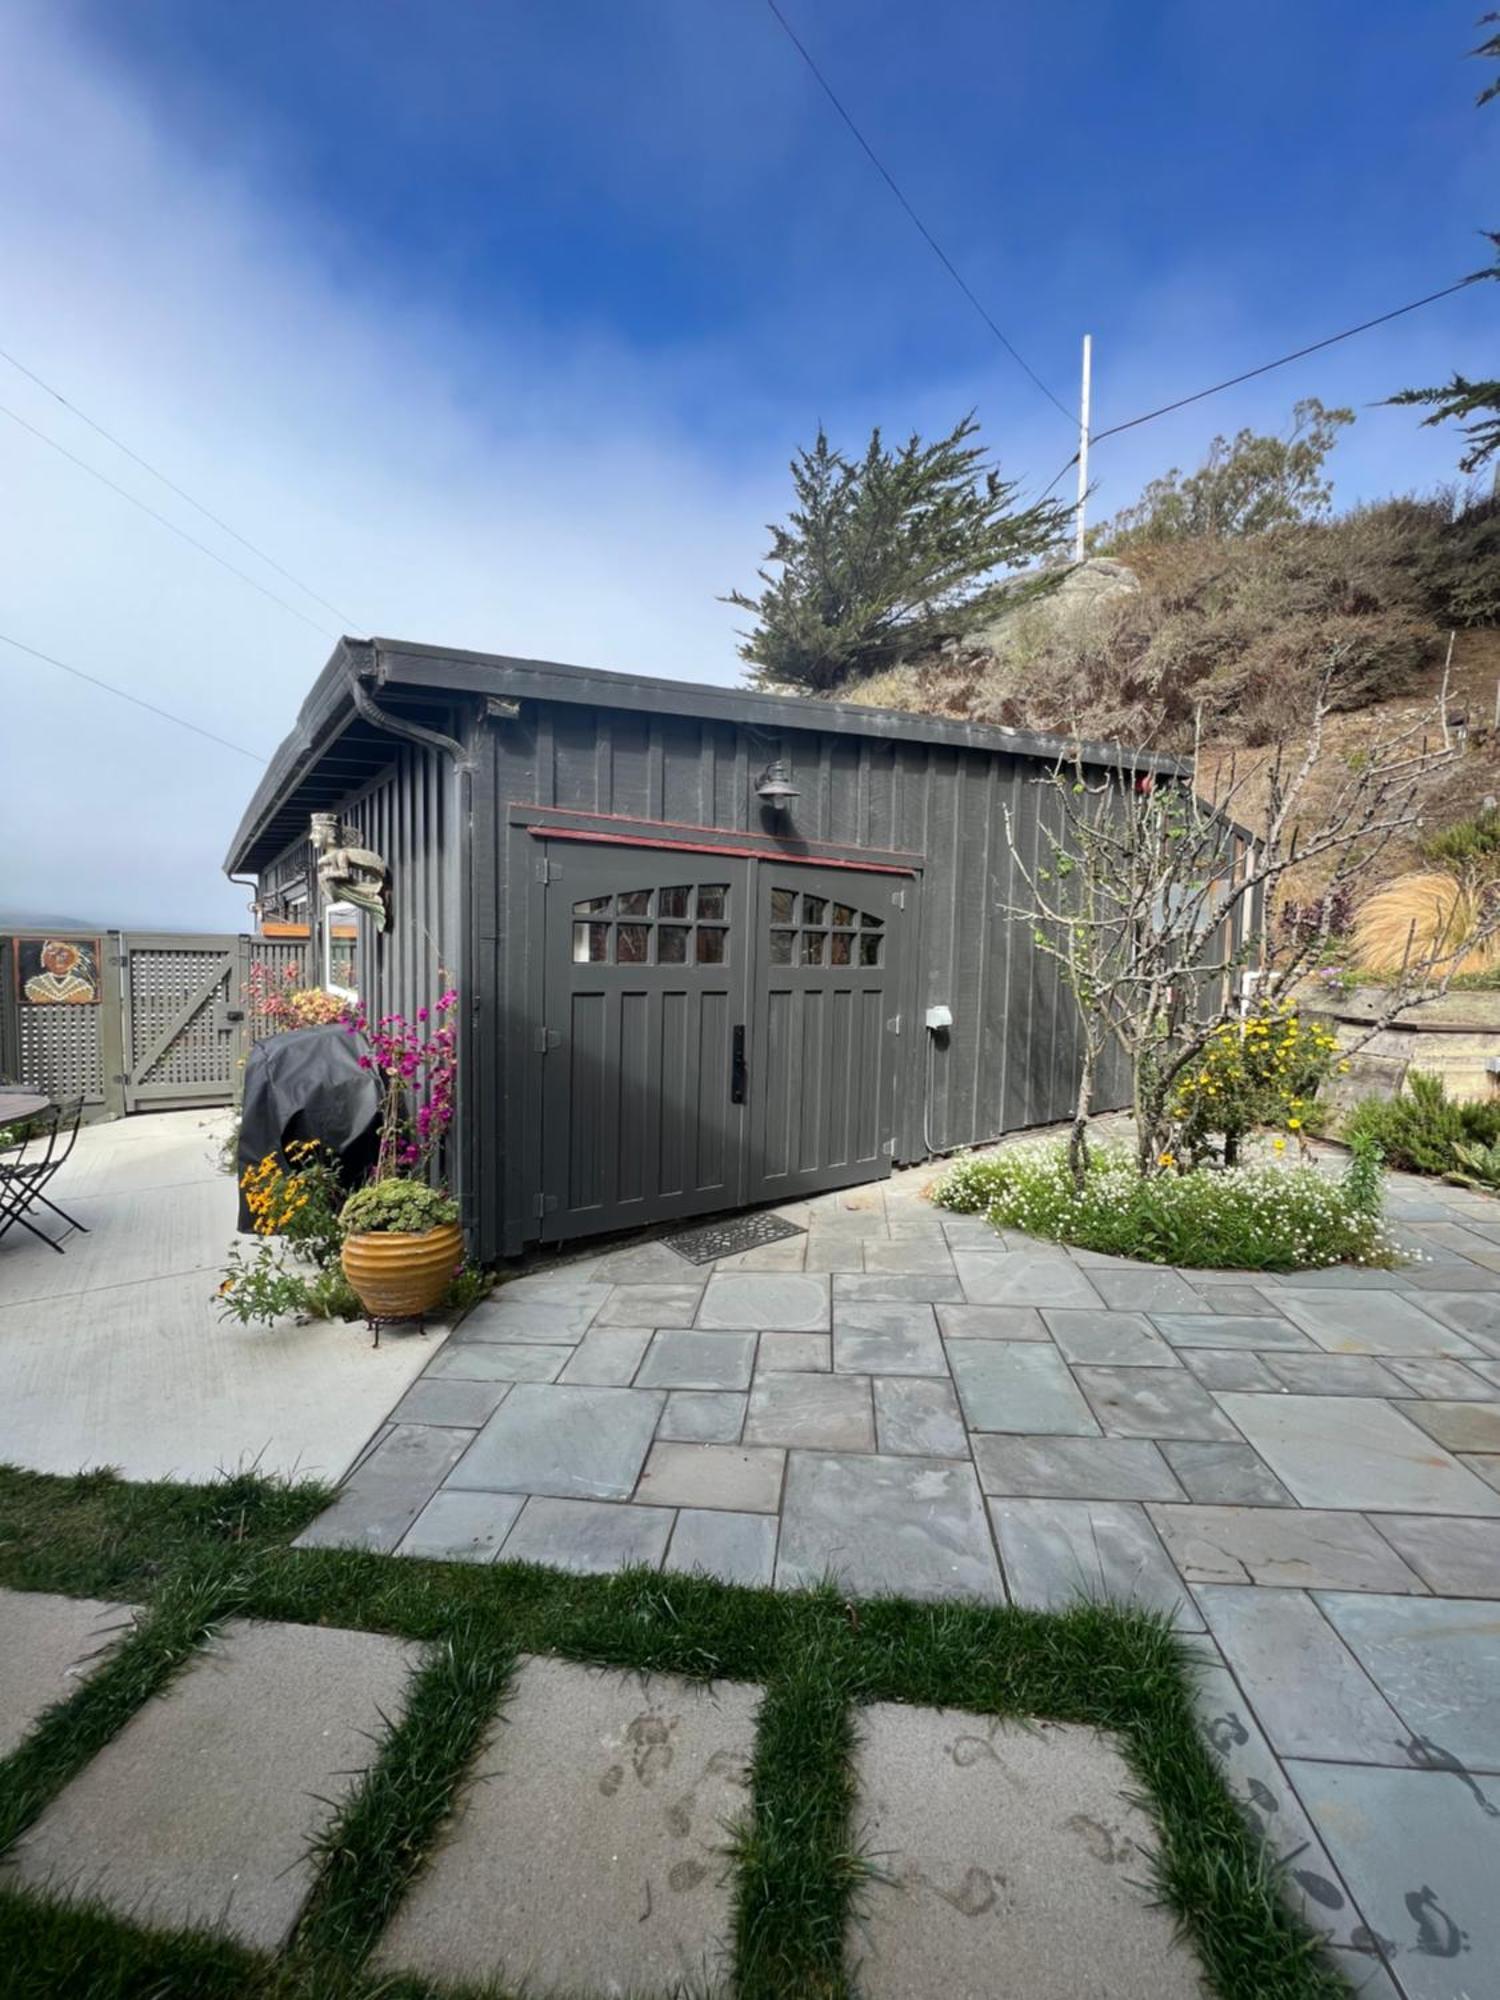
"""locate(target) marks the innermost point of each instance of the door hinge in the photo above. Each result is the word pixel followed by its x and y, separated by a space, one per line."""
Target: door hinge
pixel 544 1204
pixel 120 1076
pixel 544 1039
pixel 893 1025
pixel 898 898
pixel 889 1148
pixel 548 871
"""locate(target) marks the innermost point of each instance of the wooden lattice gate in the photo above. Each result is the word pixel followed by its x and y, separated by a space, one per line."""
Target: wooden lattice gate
pixel 169 1029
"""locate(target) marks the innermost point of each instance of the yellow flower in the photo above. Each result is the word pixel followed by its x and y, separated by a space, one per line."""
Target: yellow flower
pixel 1166 1160
pixel 1278 1145
pixel 1294 1124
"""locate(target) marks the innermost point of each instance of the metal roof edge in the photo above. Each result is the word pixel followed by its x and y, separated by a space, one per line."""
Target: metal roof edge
pixel 554 680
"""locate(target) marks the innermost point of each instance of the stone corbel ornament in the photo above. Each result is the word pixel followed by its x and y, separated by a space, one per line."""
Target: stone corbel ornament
pixel 348 874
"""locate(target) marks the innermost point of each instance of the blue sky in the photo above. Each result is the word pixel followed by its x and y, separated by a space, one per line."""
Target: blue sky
pixel 498 323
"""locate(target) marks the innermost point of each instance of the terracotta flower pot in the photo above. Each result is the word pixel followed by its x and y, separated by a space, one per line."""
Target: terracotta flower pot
pixel 399 1274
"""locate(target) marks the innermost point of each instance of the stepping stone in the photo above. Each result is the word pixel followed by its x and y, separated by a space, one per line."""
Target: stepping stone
pixel 919 1418
pixel 1460 1426
pixel 735 1548
pixel 497 1361
pixel 1229 1368
pixel 805 1353
pixel 1311 1695
pixel 929 1289
pixel 1452 1380
pixel 1146 1291
pixel 742 1477
pixel 1061 1552
pixel 1476 1314
pixel 1064 1468
pixel 1149 1402
pixel 453 1405
pixel 593 1857
pixel 819 1412
pixel 201 1811
pixel 607 1357
pixel 912 1255
pixel 991 1323
pixel 1346 1451
pixel 589 1537
pixel 1220 1473
pixel 1123 1339
pixel 562 1315
pixel 682 1359
pixel 766 1299
pixel 1360 1322
pixel 1334 1375
pixel 651 1305
pixel 829 1251
pixel 1265 1798
pixel 50 1647
pixel 1293 1546
pixel 575 1443
pixel 911 1525
pixel 703 1416
pixel 886 1340
pixel 1015 1386
pixel 388 1489
pixel 462 1527
pixel 1421 1858
pixel 1222 1329
pixel 1024 1278
pixel 1437 1662
pixel 1454 1558
pixel 1011 1858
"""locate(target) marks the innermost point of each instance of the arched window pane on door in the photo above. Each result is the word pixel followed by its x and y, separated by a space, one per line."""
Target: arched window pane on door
pixel 814 930
pixel 684 924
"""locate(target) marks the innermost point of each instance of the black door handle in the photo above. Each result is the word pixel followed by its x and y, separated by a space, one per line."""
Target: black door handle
pixel 737 1068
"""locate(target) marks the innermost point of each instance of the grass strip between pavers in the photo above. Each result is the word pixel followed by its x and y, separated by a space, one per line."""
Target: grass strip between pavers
pixel 196 1555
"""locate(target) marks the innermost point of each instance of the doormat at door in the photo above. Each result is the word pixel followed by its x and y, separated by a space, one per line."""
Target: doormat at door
pixel 727 1238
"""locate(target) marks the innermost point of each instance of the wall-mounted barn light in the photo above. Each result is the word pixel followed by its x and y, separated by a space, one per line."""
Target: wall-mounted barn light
pixel 775 786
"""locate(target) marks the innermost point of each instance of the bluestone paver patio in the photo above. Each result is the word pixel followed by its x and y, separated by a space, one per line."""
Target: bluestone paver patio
pixel 906 1400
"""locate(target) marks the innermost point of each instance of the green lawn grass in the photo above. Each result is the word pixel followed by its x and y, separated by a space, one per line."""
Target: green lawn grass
pixel 193 1556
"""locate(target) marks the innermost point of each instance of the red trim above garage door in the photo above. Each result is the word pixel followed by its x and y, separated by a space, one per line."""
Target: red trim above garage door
pixel 715 847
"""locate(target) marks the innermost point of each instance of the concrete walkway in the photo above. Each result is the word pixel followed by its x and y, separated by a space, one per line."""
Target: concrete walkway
pixel 1305 1471
pixel 114 1354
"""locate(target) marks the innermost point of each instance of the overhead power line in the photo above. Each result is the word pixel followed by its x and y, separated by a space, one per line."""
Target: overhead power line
pixel 926 234
pixel 125 695
pixel 350 624
pixel 182 533
pixel 1265 368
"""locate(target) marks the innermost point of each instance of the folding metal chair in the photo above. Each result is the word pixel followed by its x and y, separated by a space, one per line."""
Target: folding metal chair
pixel 27 1168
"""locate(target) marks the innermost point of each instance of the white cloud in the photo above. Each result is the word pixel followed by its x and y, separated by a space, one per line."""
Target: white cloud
pixel 560 514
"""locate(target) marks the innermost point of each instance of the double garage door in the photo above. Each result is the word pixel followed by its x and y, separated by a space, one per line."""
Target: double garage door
pixel 720 1031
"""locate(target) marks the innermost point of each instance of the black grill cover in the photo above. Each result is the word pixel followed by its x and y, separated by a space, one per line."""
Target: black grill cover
pixel 308 1084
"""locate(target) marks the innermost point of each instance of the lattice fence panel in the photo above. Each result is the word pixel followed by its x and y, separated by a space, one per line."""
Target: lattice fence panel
pixel 62 1051
pixel 277 955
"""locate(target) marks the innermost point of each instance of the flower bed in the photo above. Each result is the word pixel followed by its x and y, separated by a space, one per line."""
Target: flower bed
pixel 1256 1218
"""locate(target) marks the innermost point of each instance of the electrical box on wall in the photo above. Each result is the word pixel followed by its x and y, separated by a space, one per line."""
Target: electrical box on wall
pixel 939 1017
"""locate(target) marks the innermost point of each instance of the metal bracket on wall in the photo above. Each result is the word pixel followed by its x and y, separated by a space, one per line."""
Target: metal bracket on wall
pixel 893 1025
pixel 544 1204
pixel 548 871
pixel 545 1039
pixel 898 898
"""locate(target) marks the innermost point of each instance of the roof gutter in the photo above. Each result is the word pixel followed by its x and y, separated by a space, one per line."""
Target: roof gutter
pixel 369 711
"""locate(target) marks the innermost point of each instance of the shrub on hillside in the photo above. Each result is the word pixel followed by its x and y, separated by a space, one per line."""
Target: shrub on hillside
pixel 1418 1131
pixel 1239 1218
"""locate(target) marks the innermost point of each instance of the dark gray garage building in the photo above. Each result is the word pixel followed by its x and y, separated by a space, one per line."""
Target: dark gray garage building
pixel 678 994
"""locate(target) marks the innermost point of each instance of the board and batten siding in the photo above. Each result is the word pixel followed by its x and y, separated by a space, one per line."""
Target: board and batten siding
pixel 1010 1058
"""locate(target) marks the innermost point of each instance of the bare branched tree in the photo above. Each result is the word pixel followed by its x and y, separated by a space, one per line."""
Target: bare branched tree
pixel 1155 902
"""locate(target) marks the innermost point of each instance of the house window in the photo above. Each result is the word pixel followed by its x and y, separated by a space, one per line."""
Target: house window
pixel 685 923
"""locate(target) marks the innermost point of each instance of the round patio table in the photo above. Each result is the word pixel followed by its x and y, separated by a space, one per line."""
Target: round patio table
pixel 18 1104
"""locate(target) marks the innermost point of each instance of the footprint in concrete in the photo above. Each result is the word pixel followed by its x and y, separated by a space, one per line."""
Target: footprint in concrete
pixel 612 1780
pixel 1100 1841
pixel 684 1875
pixel 679 1819
pixel 651 1749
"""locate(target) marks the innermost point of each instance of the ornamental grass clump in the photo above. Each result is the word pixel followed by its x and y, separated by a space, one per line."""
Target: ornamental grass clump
pixel 1260 1218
